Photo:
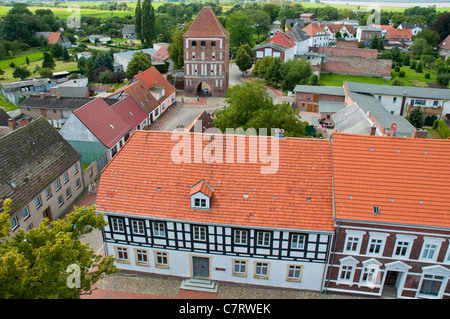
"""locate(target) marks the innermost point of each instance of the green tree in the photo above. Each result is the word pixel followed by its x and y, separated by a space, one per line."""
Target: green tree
pixel 243 60
pixel 443 79
pixel 432 37
pixel 47 61
pixel 65 54
pixel 293 72
pixel 56 51
pixel 261 20
pixel 21 72
pixel 175 48
pixel 249 105
pixel 273 73
pixel 148 23
pixel 138 20
pixel 40 263
pixel 81 63
pixel 418 46
pixel 27 61
pixel 240 28
pixel 419 67
pixel 45 73
pixel 139 62
pixel 407 60
pixel 272 10
pixel 416 118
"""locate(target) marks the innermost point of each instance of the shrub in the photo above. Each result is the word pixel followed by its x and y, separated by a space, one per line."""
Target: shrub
pixel 442 128
pixel 402 74
pixel 427 75
pixel 397 69
pixel 400 64
pixel 430 119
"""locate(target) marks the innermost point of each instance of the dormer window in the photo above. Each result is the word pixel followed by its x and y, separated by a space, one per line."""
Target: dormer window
pixel 201 194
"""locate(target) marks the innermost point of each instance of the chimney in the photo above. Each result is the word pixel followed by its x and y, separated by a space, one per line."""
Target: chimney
pixel 42 95
pixel 419 133
pixel 11 124
pixel 279 133
pixel 373 129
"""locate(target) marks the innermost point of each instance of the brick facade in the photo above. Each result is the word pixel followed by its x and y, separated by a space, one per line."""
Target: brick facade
pixel 357 66
pixel 206 56
pixel 309 102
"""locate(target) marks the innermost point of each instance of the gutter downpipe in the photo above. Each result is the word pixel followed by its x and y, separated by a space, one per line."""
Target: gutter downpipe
pixel 327 270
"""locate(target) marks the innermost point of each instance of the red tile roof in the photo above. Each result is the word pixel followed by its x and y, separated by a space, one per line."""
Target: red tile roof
pixel 202 187
pixel 129 111
pixel 159 187
pixel 152 77
pixel 312 29
pixel 283 39
pixel 406 177
pixel 395 34
pixel 53 37
pixel 102 121
pixel 206 25
pixel 445 44
pixel 140 95
pixel 162 53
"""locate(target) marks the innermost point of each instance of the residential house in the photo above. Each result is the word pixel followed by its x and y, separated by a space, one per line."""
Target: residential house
pixel 129 33
pixel 123 58
pixel 158 86
pixel 162 55
pixel 95 130
pixel 399 37
pixel 185 219
pixel 55 109
pixel 366 34
pixel 363 114
pixel 318 37
pixel 285 48
pixel 391 240
pixel 296 22
pixel 401 100
pixel 346 31
pixel 55 38
pixel 415 28
pixel 307 97
pixel 201 123
pixel 308 17
pixel 443 48
pixel 40 172
pixel 300 38
pixel 384 28
pixel 15 90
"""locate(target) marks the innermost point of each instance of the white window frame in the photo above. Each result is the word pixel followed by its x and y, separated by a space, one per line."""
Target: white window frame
pixel 117 225
pixel 60 200
pixel 75 168
pixel 141 257
pixel 347 265
pixel 447 255
pixel 370 268
pixel 25 209
pixel 48 192
pixel 122 255
pixel 38 197
pixel 375 236
pixel 199 233
pixel 294 273
pixel 263 238
pixel 159 229
pixel 261 270
pixel 403 239
pixel 240 237
pixel 353 236
pixel 65 177
pixel 57 184
pixel 68 193
pixel 426 249
pixel 14 222
pixel 239 267
pixel 138 227
pixel 161 259
pixel 298 241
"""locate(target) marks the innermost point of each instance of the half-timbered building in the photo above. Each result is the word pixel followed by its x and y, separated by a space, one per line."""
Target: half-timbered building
pixel 196 209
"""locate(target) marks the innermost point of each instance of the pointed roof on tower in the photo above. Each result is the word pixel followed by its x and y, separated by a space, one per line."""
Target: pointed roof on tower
pixel 206 25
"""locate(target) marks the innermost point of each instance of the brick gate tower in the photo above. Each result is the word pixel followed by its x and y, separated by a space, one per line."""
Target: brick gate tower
pixel 206 46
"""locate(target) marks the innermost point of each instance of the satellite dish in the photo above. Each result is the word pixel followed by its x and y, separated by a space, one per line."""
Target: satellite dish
pixel 393 128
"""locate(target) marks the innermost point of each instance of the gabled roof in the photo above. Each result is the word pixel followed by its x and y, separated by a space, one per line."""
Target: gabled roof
pixel 206 25
pixel 202 187
pixel 152 77
pixel 55 103
pixel 129 111
pixel 399 34
pixel 313 29
pixel 100 119
pixel 128 29
pixel 282 39
pixel 394 173
pixel 162 53
pixel 32 158
pixel 275 46
pixel 297 196
pixel 53 37
pixel 445 44
pixel 140 95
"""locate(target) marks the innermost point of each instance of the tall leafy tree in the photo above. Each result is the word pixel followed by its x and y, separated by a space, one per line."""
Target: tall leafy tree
pixel 240 28
pixel 416 118
pixel 148 23
pixel 175 48
pixel 138 20
pixel 293 72
pixel 243 60
pixel 51 262
pixel 47 61
pixel 21 72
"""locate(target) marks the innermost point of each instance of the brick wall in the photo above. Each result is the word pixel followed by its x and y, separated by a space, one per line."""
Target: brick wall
pixel 357 66
pixel 349 52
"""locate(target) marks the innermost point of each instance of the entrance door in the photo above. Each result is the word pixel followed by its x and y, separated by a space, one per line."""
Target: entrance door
pixel 200 267
pixel 46 214
pixel 391 284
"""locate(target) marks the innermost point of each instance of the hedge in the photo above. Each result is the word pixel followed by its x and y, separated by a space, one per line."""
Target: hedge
pixel 441 128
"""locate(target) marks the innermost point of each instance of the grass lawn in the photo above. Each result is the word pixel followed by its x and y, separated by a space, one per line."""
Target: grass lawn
pixel 338 79
pixel 433 134
pixel 20 58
